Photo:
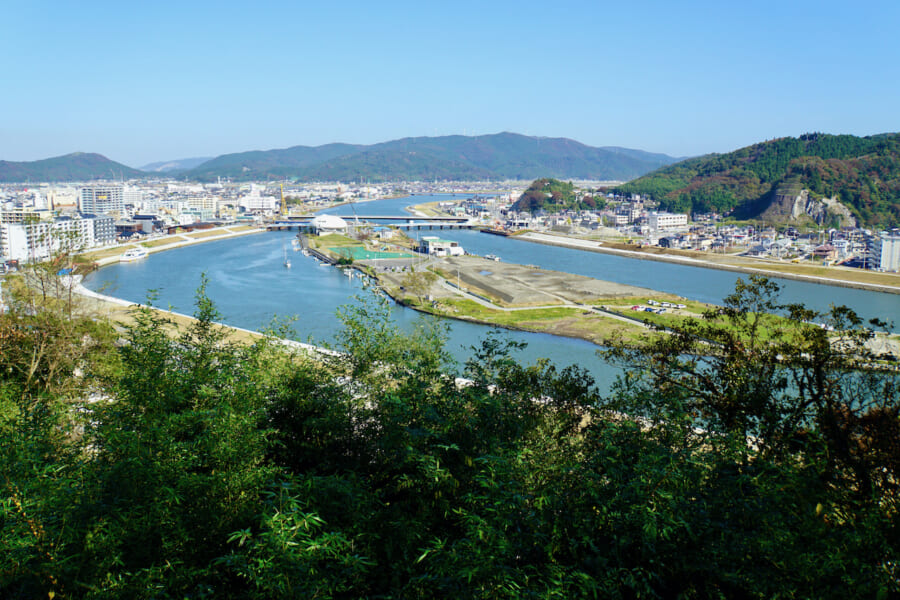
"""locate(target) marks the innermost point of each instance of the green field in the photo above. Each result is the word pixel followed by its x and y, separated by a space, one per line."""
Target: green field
pixel 360 253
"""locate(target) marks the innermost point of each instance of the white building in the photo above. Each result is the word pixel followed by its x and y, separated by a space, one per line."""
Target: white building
pixel 35 241
pixel 430 244
pixel 132 196
pixel 254 202
pixel 660 221
pixel 102 199
pixel 887 250
pixel 208 204
pixel 325 224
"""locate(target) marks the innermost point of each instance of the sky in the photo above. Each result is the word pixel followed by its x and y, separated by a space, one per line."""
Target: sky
pixel 151 81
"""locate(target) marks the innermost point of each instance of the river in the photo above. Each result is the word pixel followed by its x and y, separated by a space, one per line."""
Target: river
pixel 249 285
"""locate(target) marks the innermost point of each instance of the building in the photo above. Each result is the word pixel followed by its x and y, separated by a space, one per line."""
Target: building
pixel 26 242
pixel 35 241
pixel 102 199
pixel 104 229
pixel 255 202
pixel 434 245
pixel 659 221
pixel 207 204
pixel 325 224
pixel 886 250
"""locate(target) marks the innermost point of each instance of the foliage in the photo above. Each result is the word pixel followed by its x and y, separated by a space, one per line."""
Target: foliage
pixel 419 282
pixel 551 195
pixel 745 467
pixel 862 172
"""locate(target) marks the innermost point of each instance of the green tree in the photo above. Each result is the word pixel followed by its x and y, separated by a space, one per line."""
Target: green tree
pixel 419 283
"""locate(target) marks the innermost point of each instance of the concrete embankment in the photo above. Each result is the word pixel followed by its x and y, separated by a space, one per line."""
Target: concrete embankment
pixel 109 256
pixel 593 246
pixel 120 310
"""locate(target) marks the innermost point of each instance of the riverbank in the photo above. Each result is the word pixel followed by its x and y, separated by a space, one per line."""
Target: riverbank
pixel 840 278
pixel 112 254
pixel 121 313
pixel 536 300
pixel 511 296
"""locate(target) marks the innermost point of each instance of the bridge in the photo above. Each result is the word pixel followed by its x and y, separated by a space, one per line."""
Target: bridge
pixel 400 222
pixel 406 217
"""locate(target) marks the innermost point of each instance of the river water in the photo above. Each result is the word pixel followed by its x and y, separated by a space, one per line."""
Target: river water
pixel 250 286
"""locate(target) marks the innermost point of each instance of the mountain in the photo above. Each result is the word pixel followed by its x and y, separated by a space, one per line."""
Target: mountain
pixel 270 163
pixel 78 166
pixel 181 164
pixel 497 156
pixel 816 176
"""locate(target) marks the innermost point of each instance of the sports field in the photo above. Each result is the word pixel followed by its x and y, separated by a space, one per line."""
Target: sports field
pixel 360 253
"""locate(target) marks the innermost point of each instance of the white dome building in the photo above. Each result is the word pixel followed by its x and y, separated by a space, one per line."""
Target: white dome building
pixel 325 224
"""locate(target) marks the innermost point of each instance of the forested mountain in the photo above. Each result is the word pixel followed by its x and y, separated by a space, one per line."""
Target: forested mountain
pixel 499 156
pixel 78 166
pixel 863 173
pixel 270 163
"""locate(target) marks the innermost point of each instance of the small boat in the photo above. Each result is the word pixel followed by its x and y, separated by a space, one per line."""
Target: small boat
pixel 133 254
pixel 287 263
pixel 493 257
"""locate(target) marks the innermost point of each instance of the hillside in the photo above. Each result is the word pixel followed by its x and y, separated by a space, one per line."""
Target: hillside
pixel 552 196
pixel 498 156
pixel 862 173
pixel 78 166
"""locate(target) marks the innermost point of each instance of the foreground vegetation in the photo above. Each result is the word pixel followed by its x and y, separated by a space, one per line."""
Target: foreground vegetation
pixel 185 465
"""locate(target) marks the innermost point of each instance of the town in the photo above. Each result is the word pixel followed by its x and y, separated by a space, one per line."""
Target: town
pixel 39 220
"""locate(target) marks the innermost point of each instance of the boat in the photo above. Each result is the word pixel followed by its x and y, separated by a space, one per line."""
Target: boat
pixel 287 263
pixel 493 257
pixel 133 254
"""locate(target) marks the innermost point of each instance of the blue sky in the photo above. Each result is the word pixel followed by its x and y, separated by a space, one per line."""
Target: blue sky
pixel 148 81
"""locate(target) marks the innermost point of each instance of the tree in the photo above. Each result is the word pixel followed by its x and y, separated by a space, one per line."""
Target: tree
pixel 803 411
pixel 742 455
pixel 419 282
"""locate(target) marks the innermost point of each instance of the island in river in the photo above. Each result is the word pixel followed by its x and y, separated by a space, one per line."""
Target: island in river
pixel 523 297
pixel 492 292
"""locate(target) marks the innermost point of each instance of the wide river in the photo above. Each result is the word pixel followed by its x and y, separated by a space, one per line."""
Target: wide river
pixel 249 285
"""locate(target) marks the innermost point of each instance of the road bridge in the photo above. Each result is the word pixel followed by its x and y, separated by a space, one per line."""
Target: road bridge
pixel 400 222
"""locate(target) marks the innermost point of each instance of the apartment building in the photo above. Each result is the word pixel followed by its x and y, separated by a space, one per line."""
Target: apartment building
pixel 38 240
pixel 886 250
pixel 659 221
pixel 102 199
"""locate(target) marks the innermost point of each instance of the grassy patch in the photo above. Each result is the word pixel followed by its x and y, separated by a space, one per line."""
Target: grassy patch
pixel 205 233
pixel 162 242
pixel 565 321
pixel 98 254
pixel 333 239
